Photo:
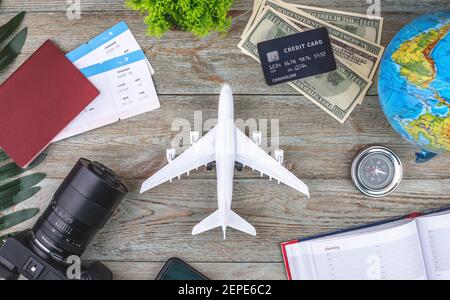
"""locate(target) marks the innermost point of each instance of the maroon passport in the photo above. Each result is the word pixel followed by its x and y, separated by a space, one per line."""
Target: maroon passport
pixel 38 100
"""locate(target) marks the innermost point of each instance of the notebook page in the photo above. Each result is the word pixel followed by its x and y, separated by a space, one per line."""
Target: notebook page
pixel 300 257
pixel 304 269
pixel 392 253
pixel 434 232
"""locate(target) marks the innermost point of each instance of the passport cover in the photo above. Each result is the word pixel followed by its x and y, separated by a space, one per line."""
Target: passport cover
pixel 38 100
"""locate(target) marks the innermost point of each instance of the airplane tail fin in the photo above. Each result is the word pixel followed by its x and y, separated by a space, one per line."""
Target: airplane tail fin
pixel 214 221
pixel 238 223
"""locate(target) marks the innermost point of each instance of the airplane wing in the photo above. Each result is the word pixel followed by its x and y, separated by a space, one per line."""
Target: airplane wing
pixel 251 155
pixel 199 154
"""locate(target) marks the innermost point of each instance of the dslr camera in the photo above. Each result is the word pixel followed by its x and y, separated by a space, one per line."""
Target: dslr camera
pixel 80 207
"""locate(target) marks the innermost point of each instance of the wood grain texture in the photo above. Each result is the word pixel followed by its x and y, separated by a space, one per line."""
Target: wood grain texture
pixel 150 228
pixel 246 271
pixel 157 224
pixel 315 145
pixel 245 5
pixel 200 65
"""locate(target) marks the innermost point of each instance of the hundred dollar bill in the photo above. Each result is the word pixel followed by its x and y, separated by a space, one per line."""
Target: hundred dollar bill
pixel 357 58
pixel 365 26
pixel 260 7
pixel 305 19
pixel 337 92
pixel 256 6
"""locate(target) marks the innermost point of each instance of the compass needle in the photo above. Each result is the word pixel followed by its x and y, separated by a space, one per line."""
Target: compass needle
pixel 377 171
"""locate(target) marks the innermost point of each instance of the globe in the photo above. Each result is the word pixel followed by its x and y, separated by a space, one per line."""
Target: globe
pixel 414 84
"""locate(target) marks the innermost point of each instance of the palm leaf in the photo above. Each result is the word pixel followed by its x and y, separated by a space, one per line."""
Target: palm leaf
pixel 12 25
pixel 20 184
pixel 36 162
pixel 11 169
pixel 17 217
pixel 3 156
pixel 10 201
pixel 13 49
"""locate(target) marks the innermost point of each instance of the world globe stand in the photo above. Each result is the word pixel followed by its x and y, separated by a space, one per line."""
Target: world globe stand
pixel 424 156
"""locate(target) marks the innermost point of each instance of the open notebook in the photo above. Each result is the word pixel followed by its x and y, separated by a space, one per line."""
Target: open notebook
pixel 405 248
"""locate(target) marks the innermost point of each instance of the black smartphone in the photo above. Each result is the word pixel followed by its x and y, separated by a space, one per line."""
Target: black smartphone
pixel 176 269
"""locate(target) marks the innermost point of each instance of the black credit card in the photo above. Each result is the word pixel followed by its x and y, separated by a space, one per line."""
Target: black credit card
pixel 296 56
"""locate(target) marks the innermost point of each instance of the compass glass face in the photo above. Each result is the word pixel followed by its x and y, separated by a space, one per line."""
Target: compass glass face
pixel 376 171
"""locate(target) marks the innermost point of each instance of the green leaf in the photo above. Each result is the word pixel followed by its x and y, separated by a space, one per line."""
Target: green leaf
pixel 12 25
pixel 8 171
pixel 20 184
pixel 10 201
pixel 36 162
pixel 11 169
pixel 13 49
pixel 3 156
pixel 17 217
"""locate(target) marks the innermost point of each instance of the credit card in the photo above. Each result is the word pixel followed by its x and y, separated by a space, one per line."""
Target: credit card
pixel 296 56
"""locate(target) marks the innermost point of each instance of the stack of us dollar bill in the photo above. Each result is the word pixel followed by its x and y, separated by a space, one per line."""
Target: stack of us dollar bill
pixel 355 40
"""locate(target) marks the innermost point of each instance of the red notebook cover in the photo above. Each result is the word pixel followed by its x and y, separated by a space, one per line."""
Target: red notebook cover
pixel 38 100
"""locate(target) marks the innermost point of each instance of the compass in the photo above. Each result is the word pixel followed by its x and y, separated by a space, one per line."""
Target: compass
pixel 377 171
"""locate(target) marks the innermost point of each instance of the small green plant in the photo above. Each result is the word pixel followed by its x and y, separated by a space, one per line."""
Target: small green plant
pixel 200 17
pixel 12 50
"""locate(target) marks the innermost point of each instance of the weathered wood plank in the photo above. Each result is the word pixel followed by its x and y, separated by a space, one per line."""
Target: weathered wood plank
pixel 118 5
pixel 157 224
pixel 199 65
pixel 148 229
pixel 315 145
pixel 217 271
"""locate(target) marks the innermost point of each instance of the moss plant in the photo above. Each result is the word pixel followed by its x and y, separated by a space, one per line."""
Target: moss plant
pixel 200 17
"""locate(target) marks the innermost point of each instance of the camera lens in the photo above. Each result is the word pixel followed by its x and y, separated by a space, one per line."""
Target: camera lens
pixel 81 206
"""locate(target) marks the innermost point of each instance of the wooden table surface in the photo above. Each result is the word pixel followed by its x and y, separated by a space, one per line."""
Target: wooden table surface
pixel 148 229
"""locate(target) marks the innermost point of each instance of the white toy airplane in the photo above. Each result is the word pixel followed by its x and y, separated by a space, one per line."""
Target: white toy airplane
pixel 225 144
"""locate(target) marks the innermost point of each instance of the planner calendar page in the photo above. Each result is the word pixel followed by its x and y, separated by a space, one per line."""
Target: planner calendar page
pixel 389 254
pixel 388 251
pixel 434 231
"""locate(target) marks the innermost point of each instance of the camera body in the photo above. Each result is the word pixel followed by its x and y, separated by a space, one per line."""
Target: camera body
pixel 80 207
pixel 19 256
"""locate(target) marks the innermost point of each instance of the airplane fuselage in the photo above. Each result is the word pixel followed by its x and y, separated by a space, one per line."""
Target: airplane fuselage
pixel 225 156
pixel 225 144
